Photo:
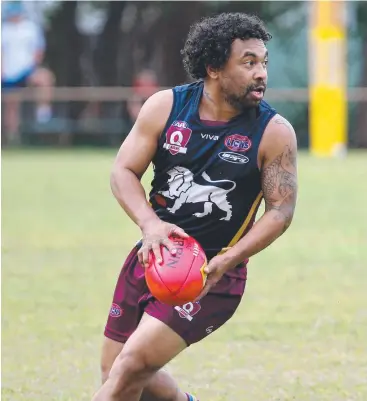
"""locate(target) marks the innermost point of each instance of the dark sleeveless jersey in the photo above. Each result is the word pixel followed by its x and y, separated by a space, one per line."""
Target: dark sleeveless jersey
pixel 206 178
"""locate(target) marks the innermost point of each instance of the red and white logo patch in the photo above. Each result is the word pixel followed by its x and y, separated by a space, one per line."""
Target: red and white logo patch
pixel 188 310
pixel 115 310
pixel 238 143
pixel 177 137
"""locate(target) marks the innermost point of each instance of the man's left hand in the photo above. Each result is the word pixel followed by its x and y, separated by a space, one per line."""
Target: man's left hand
pixel 214 271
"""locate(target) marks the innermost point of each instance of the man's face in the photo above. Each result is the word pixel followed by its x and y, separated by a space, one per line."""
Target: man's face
pixel 244 77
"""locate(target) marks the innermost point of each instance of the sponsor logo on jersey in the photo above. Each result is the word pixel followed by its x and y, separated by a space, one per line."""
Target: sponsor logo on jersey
pixel 182 189
pixel 232 157
pixel 209 136
pixel 177 137
pixel 188 310
pixel 238 143
pixel 115 310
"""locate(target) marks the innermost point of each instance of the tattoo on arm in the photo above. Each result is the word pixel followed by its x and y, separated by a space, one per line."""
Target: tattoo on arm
pixel 279 183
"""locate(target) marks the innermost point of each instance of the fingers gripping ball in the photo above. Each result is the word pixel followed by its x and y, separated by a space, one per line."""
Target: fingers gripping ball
pixel 180 277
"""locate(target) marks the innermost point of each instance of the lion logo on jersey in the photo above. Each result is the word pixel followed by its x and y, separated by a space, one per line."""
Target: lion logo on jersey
pixel 183 189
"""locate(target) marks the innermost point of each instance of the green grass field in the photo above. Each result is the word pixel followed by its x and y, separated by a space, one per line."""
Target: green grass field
pixel 300 333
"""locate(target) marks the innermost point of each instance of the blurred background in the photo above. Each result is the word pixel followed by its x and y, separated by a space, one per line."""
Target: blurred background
pixel 74 76
pixel 83 68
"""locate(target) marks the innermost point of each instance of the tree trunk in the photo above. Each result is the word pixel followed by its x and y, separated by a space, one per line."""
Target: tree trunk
pixel 65 45
pixel 176 20
pixel 106 55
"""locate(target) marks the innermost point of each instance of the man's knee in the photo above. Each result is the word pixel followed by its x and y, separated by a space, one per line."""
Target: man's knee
pixel 130 373
pixel 42 77
pixel 161 387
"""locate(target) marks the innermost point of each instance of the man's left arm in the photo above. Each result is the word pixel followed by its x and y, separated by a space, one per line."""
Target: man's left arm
pixel 278 159
pixel 279 186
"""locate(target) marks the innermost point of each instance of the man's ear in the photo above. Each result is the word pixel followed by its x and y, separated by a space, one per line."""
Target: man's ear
pixel 213 73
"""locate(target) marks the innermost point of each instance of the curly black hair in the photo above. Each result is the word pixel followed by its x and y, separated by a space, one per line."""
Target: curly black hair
pixel 209 40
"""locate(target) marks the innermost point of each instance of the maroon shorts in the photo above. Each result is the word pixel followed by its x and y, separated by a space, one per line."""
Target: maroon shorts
pixel 192 321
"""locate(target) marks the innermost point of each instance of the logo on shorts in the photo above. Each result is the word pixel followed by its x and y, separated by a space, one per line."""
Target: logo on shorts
pixel 177 137
pixel 116 310
pixel 238 143
pixel 188 310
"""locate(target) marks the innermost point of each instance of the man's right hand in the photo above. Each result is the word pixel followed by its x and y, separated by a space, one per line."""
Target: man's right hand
pixel 155 234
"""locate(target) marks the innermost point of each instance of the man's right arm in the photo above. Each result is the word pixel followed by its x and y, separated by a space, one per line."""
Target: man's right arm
pixel 135 155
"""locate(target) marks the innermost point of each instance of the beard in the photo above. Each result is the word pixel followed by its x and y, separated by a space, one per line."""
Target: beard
pixel 242 101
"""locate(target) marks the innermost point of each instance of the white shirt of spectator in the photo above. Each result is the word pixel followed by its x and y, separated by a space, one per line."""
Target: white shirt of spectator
pixel 19 43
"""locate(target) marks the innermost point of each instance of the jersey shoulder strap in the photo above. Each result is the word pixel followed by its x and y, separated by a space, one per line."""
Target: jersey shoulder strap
pixel 184 97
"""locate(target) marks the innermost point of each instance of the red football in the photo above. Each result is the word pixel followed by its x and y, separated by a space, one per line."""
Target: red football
pixel 180 277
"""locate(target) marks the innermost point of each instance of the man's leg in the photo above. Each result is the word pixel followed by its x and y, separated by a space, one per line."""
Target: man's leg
pixel 110 350
pixel 126 315
pixel 150 347
pixel 44 80
pixel 161 387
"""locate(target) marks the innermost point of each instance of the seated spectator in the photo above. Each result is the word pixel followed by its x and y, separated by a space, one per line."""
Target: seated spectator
pixel 22 46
